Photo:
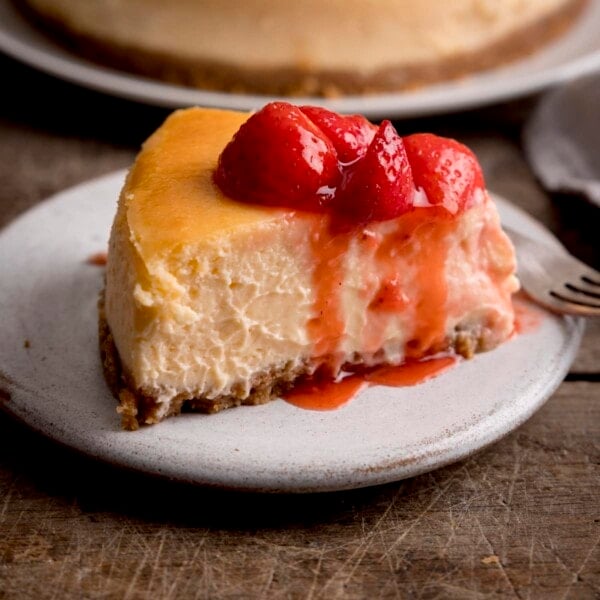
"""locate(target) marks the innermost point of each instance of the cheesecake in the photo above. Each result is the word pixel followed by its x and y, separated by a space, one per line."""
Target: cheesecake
pixel 251 251
pixel 305 47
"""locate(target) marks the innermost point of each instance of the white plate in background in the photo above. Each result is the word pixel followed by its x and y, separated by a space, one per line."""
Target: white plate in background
pixel 562 137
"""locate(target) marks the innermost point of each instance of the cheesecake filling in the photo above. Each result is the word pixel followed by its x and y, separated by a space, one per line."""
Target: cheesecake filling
pixel 307 299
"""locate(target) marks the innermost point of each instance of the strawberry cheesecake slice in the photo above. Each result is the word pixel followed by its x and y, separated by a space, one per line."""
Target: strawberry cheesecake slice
pixel 249 251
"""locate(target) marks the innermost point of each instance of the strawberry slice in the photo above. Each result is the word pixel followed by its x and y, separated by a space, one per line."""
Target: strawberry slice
pixel 351 135
pixel 279 157
pixel 445 169
pixel 379 186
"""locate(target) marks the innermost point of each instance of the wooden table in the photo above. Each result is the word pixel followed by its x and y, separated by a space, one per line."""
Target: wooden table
pixel 520 519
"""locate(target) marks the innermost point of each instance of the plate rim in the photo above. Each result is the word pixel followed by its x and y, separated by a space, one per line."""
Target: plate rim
pixel 480 90
pixel 485 432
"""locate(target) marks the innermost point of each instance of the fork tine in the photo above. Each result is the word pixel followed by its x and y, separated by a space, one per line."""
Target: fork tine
pixel 584 304
pixel 556 302
pixel 558 305
pixel 555 279
pixel 592 278
pixel 585 289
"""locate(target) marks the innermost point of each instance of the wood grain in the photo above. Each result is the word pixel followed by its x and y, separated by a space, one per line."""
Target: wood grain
pixel 519 520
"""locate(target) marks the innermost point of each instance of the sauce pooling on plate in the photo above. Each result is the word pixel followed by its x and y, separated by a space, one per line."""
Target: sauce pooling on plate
pixel 327 394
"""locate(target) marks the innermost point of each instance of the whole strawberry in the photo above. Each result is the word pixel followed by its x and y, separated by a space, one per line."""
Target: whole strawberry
pixel 279 157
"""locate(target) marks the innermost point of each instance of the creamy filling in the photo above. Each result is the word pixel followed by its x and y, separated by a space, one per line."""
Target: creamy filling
pixel 206 320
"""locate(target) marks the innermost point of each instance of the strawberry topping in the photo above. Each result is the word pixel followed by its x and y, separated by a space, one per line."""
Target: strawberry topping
pixel 350 135
pixel 312 159
pixel 279 157
pixel 378 186
pixel 446 170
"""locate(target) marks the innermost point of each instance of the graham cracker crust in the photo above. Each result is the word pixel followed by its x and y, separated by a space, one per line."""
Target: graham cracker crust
pixel 296 81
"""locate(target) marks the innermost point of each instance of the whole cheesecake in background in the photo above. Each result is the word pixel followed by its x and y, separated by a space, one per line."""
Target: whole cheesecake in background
pixel 305 47
pixel 249 251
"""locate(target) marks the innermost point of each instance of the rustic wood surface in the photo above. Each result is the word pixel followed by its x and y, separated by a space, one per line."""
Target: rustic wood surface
pixel 518 520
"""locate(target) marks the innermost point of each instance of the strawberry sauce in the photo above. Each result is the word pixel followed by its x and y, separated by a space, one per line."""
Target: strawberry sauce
pixel 327 394
pixel 417 242
pixel 329 250
pixel 425 253
pixel 98 260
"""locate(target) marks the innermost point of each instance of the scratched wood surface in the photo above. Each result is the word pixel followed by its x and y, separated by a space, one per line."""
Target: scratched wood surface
pixel 518 520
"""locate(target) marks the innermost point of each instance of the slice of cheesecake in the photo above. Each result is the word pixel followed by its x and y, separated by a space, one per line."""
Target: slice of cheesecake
pixel 370 257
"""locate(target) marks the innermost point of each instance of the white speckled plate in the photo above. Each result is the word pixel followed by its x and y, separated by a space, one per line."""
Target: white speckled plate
pixel 575 54
pixel 50 369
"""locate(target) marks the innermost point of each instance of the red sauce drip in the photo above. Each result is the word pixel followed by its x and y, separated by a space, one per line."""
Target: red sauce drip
pixel 321 393
pixel 98 260
pixel 419 241
pixel 329 249
pixel 422 240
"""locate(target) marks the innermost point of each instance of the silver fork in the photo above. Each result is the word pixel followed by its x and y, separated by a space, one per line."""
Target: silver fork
pixel 554 278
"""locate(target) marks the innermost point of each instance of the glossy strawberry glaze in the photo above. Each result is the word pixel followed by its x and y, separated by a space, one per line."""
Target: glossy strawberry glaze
pixel 424 252
pixel 427 253
pixel 327 394
pixel 411 372
pixel 329 251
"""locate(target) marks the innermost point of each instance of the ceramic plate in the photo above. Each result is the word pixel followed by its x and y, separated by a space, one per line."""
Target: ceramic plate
pixel 50 368
pixel 562 136
pixel 573 55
